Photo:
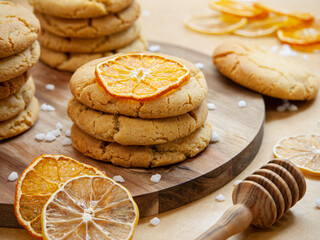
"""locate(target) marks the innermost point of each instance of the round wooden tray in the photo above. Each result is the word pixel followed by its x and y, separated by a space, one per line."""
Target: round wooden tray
pixel 240 131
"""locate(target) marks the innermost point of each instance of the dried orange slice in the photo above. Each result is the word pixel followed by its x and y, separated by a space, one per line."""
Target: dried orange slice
pixel 305 33
pixel 141 76
pixel 214 23
pixel 310 48
pixel 262 27
pixel 302 150
pixel 304 16
pixel 237 8
pixel 90 207
pixel 39 181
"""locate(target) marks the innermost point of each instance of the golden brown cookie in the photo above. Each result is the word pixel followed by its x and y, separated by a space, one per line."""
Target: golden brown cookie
pixel 15 65
pixel 79 8
pixel 11 86
pixel 86 90
pixel 89 45
pixel 135 131
pixel 18 28
pixel 142 156
pixel 90 27
pixel 265 72
pixel 16 103
pixel 22 122
pixel 72 61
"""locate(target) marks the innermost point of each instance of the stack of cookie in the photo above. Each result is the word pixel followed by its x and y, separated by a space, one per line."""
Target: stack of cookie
pixel 131 133
pixel 76 32
pixel 19 51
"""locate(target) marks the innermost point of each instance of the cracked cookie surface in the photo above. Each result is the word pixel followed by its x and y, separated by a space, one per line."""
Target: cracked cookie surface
pixel 265 72
pixel 86 90
pixel 11 86
pixel 90 27
pixel 22 122
pixel 19 28
pixel 135 131
pixel 79 8
pixel 142 156
pixel 16 103
pixel 72 61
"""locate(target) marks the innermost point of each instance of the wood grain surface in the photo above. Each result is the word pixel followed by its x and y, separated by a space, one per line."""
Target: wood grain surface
pixel 240 131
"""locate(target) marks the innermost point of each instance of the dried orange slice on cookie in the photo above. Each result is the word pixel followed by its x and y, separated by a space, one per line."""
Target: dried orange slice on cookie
pixel 237 8
pixel 214 23
pixel 39 181
pixel 302 150
pixel 90 207
pixel 141 76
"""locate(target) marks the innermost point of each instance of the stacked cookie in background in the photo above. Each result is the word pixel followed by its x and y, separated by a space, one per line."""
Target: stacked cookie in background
pixel 160 131
pixel 76 32
pixel 19 51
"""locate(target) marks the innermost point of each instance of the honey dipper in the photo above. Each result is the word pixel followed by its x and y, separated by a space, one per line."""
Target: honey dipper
pixel 260 199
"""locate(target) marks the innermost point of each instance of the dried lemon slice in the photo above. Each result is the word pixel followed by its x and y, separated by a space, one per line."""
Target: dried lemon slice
pixel 214 23
pixel 302 150
pixel 237 8
pixel 141 76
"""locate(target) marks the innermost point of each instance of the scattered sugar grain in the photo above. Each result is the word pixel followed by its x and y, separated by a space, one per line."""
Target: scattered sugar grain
pixel 50 87
pixel 50 137
pixel 242 104
pixel 146 13
pixel 305 57
pixel 68 133
pixel 293 108
pixel 55 132
pixel 319 123
pixel 118 178
pixel 154 48
pixel 220 198
pixel 46 107
pixel 211 106
pixel 155 221
pixel 318 202
pixel 13 176
pixel 281 108
pixel 155 178
pixel 40 136
pixel 66 142
pixel 274 48
pixel 286 51
pixel 59 126
pixel 199 65
pixel 236 182
pixel 215 137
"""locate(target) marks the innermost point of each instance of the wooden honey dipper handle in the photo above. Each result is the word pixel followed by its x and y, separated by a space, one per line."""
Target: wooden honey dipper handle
pixel 236 219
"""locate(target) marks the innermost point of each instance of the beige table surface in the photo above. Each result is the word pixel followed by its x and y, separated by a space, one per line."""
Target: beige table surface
pixel 162 21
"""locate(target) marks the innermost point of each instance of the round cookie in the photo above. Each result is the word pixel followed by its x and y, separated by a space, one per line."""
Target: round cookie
pixel 16 103
pixel 89 45
pixel 22 122
pixel 118 128
pixel 90 27
pixel 11 86
pixel 142 156
pixel 265 72
pixel 79 8
pixel 15 65
pixel 72 61
pixel 18 28
pixel 86 90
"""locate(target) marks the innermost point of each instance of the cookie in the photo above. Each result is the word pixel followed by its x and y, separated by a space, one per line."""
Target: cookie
pixel 86 90
pixel 72 61
pixel 16 103
pixel 18 28
pixel 89 45
pixel 142 156
pixel 11 86
pixel 20 123
pixel 90 27
pixel 79 8
pixel 118 128
pixel 265 72
pixel 15 65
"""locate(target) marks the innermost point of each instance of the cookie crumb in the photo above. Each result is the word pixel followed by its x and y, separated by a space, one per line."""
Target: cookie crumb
pixel 305 57
pixel 13 176
pixel 236 182
pixel 274 48
pixel 155 221
pixel 68 133
pixel 46 107
pixel 40 136
pixel 154 48
pixel 318 202
pixel 242 104
pixel 215 137
pixel 155 178
pixel 220 198
pixel 211 106
pixel 50 137
pixel 59 126
pixel 66 142
pixel 50 87
pixel 199 65
pixel 118 178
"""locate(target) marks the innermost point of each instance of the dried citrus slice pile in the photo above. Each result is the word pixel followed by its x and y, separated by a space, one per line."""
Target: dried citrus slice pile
pixel 90 207
pixel 302 150
pixel 141 76
pixel 39 181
